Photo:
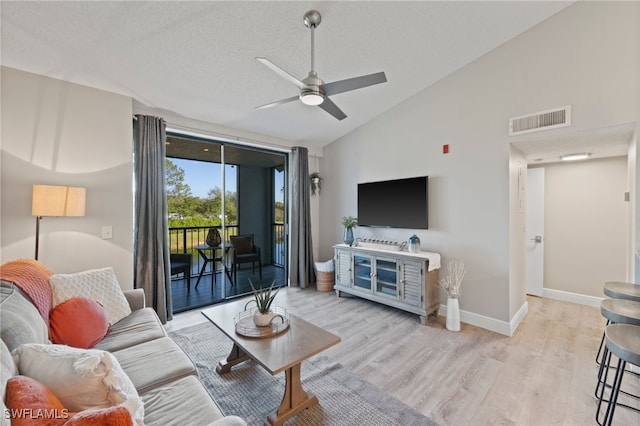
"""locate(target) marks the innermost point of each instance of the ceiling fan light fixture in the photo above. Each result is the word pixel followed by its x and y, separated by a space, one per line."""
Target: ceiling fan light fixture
pixel 312 98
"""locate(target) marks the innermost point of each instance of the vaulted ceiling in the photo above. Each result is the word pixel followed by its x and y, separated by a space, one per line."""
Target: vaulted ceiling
pixel 197 59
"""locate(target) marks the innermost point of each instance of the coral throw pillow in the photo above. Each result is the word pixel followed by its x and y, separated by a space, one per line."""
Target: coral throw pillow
pixel 79 322
pixel 29 402
pixel 113 416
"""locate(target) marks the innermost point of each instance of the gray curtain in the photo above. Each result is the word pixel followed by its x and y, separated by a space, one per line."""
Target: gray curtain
pixel 151 265
pixel 301 267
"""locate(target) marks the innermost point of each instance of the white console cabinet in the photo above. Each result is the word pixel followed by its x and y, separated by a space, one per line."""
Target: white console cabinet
pixel 404 280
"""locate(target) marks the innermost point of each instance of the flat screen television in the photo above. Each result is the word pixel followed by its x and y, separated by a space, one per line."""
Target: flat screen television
pixel 399 203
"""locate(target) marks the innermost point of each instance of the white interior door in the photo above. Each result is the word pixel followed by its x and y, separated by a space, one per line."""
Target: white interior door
pixel 535 231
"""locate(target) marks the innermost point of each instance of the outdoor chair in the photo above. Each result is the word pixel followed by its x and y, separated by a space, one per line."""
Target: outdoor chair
pixel 245 251
pixel 181 264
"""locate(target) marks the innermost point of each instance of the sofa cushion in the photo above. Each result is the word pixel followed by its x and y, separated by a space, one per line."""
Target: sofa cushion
pixel 81 378
pixel 20 321
pixel 181 402
pixel 32 277
pixel 8 369
pixel 140 326
pixel 112 416
pixel 140 362
pixel 78 322
pixel 100 285
pixel 27 395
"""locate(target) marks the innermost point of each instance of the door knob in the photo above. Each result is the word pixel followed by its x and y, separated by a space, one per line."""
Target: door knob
pixel 537 239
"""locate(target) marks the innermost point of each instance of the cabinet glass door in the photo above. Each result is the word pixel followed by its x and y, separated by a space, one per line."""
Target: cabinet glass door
pixel 362 272
pixel 386 278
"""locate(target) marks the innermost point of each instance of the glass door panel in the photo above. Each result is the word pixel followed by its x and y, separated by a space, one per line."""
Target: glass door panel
pixel 386 277
pixel 362 272
pixel 205 178
pixel 193 178
pixel 258 238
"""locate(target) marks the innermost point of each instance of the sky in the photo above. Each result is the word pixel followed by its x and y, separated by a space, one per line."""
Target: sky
pixel 202 176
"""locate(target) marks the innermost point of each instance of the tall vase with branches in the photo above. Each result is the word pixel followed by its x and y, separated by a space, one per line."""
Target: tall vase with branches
pixel 452 284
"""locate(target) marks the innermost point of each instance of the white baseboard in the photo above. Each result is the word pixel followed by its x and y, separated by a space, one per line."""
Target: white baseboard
pixel 566 296
pixel 508 328
pixel 488 323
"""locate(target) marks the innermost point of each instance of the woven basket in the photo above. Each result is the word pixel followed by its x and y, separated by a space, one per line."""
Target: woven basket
pixel 324 280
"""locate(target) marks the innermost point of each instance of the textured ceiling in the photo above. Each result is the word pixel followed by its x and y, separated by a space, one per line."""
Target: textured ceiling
pixel 196 59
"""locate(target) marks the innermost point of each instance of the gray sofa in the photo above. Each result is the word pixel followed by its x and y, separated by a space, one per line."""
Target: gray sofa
pixel 164 376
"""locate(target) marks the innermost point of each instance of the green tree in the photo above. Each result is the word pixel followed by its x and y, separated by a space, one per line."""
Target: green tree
pixel 187 210
pixel 174 180
pixel 214 197
pixel 179 198
pixel 279 212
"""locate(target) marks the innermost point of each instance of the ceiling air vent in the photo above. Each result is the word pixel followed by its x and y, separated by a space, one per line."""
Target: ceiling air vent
pixel 544 120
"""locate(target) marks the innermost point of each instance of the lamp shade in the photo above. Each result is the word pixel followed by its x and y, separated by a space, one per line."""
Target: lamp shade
pixel 50 200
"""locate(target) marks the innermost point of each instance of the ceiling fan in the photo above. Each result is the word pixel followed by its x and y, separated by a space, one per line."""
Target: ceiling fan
pixel 314 91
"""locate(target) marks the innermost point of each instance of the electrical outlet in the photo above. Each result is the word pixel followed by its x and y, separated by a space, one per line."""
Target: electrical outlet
pixel 107 232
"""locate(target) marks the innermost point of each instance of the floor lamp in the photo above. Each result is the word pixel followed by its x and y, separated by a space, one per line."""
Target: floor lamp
pixel 50 200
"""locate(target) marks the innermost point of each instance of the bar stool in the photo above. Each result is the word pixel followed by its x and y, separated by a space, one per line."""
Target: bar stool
pixel 618 290
pixel 623 341
pixel 618 311
pixel 621 290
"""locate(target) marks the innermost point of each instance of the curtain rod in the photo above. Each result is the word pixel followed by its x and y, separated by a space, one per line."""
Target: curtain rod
pixel 224 137
pixel 231 138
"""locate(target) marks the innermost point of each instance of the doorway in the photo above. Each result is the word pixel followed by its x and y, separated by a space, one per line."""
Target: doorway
pixel 582 225
pixel 535 231
pixel 225 191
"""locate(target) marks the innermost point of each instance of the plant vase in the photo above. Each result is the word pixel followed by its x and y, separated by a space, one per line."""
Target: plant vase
pixel 453 314
pixel 315 185
pixel 263 320
pixel 348 236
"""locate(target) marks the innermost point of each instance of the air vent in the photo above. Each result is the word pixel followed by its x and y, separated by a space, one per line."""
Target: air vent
pixel 544 120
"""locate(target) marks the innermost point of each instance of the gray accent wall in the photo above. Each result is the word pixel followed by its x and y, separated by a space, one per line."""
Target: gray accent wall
pixel 586 55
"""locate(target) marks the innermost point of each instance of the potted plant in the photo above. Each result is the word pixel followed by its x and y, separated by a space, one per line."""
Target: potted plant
pixel 452 284
pixel 263 299
pixel 316 182
pixel 349 222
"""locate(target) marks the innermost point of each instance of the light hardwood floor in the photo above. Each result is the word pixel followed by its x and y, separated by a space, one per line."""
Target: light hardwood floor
pixel 543 375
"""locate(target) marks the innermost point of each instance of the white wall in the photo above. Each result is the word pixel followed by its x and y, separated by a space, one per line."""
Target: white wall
pixel 585 56
pixel 58 133
pixel 586 226
pixel 632 188
pixel 517 229
pixel 55 132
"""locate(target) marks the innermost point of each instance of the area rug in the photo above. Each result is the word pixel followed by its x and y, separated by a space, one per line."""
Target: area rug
pixel 252 393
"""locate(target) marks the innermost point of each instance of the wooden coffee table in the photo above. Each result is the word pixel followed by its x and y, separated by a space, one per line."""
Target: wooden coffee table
pixel 283 352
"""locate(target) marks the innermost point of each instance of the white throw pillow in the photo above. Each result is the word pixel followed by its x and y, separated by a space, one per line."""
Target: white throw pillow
pixel 81 378
pixel 100 285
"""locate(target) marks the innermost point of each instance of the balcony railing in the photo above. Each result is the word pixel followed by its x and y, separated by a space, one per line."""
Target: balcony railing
pixel 183 240
pixel 278 238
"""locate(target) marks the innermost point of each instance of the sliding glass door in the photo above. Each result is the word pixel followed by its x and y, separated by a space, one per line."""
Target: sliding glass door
pixel 226 207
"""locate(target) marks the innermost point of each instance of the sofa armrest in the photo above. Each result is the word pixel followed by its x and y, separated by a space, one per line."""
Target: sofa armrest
pixel 135 298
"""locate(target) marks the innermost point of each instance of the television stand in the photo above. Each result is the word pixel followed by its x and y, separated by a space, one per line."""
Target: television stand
pixel 407 281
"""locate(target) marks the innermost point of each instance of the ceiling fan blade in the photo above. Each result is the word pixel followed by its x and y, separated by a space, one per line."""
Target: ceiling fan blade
pixel 354 83
pixel 283 101
pixel 332 109
pixel 282 73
